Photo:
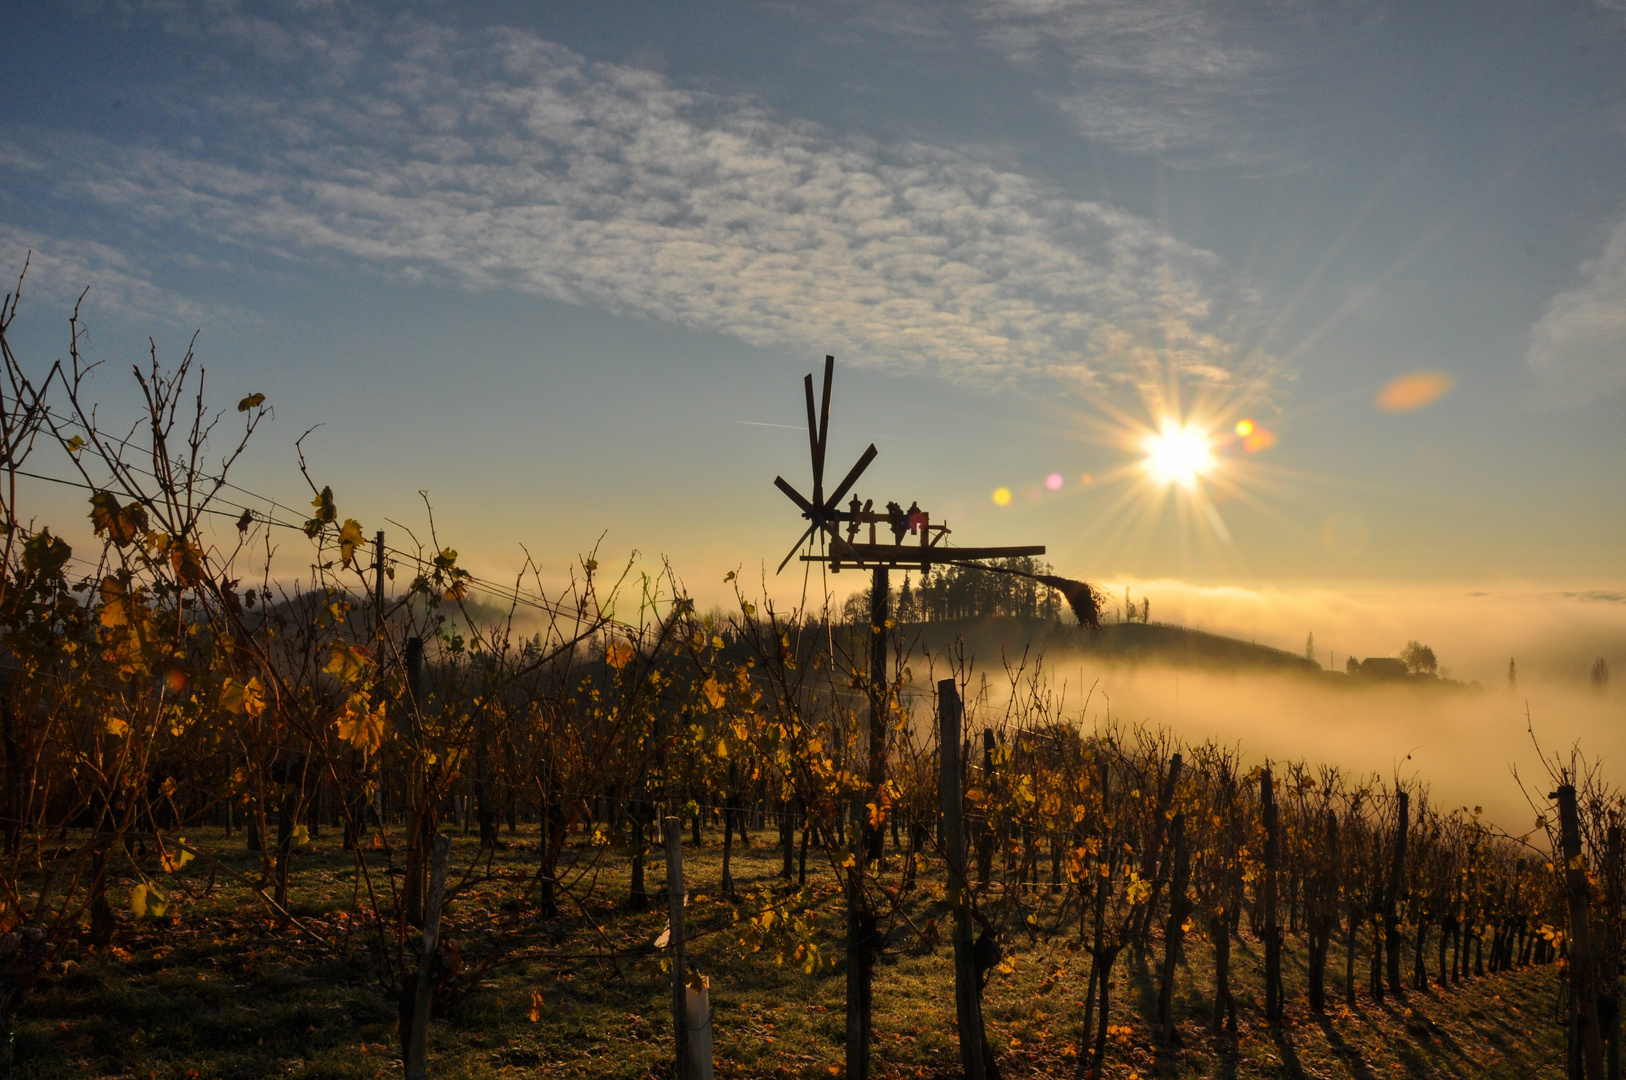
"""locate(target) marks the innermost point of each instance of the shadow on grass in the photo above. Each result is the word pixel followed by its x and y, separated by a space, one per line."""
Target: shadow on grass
pixel 1283 1039
pixel 1357 1064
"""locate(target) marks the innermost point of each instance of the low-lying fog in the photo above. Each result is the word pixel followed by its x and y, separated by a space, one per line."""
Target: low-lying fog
pixel 1463 740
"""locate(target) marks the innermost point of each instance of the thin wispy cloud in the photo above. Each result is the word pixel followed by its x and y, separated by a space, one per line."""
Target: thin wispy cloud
pixel 1147 76
pixel 498 160
pixel 61 269
pixel 1578 347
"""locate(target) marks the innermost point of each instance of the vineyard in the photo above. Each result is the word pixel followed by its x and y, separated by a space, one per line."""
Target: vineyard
pixel 381 815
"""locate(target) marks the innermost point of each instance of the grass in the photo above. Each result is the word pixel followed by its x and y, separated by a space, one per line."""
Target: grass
pixel 218 991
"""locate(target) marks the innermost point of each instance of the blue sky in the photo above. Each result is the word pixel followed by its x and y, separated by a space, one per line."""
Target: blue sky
pixel 563 266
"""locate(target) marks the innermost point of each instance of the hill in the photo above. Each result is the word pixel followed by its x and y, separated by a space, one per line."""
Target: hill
pixel 990 638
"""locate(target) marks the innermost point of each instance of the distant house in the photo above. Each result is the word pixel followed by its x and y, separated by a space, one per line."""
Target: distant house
pixel 1384 667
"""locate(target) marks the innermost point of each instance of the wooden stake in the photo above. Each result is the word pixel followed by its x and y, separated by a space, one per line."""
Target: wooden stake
pixel 1273 931
pixel 1391 893
pixel 1583 982
pixel 672 830
pixel 967 1001
pixel 417 1052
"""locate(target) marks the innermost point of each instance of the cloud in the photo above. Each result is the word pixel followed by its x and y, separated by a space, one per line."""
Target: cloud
pixel 1148 76
pixel 59 269
pixel 497 160
pixel 1578 347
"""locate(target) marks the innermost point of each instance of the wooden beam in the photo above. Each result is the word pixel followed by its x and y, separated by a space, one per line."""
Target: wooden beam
pixel 915 555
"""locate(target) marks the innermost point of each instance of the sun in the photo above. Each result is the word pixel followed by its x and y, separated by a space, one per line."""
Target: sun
pixel 1178 454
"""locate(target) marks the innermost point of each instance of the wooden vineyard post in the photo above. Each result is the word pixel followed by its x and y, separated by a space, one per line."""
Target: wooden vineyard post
pixel 1173 931
pixel 869 839
pixel 420 826
pixel 847 537
pixel 356 804
pixel 879 615
pixel 1611 945
pixel 1583 982
pixel 1273 931
pixel 673 830
pixel 967 1001
pixel 1391 893
pixel 417 1050
pixel 1158 852
pixel 985 832
pixel 485 805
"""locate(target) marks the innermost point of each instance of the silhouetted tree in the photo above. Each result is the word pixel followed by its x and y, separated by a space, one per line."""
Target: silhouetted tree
pixel 1419 658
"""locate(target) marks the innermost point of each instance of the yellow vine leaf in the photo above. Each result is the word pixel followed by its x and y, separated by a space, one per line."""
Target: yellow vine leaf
pixel 618 654
pixel 361 726
pixel 121 524
pixel 146 901
pixel 348 663
pixel 116 603
pixel 243 698
pixel 174 859
pixel 326 512
pixel 349 540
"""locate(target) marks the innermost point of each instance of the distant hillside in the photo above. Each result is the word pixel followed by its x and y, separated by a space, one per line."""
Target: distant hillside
pixel 1146 643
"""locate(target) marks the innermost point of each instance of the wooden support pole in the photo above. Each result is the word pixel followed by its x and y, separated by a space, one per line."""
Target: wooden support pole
pixel 672 830
pixel 879 615
pixel 1391 894
pixel 1180 906
pixel 1273 930
pixel 417 1050
pixel 1611 946
pixel 354 794
pixel 868 842
pixel 1583 978
pixel 967 1000
pixel 420 821
pixel 378 578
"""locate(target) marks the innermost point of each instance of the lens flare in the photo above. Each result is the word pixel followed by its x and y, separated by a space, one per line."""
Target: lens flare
pixel 1178 455
pixel 1244 428
pixel 1418 390
pixel 1002 496
pixel 1053 481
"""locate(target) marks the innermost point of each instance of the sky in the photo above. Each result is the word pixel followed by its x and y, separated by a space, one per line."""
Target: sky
pixel 562 268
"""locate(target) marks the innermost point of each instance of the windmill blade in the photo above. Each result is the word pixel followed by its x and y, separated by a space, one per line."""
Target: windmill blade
pixel 796 497
pixel 852 477
pixel 797 546
pixel 824 422
pixel 814 443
